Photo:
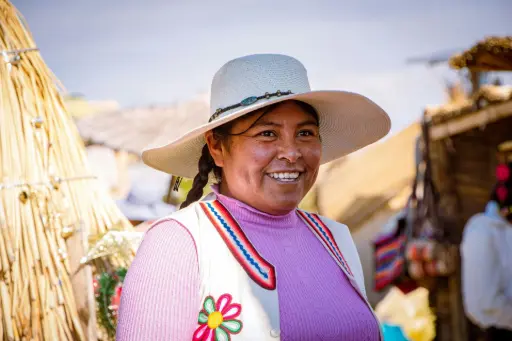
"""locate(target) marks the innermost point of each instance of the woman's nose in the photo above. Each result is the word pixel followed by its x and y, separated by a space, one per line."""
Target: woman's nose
pixel 289 151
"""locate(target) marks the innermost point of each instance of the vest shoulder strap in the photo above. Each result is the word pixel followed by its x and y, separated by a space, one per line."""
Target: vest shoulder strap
pixel 259 269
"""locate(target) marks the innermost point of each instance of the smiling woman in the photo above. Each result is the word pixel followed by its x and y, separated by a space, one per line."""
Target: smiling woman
pixel 244 263
pixel 274 152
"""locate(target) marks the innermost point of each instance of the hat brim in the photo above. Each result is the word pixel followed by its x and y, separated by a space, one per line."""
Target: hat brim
pixel 348 122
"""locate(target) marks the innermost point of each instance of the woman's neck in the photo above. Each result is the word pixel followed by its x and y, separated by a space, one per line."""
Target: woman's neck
pixel 247 213
pixel 223 189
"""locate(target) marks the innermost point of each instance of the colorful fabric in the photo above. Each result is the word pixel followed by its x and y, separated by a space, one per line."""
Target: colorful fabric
pixel 390 256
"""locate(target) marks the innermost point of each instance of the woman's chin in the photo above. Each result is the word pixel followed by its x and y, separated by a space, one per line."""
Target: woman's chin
pixel 281 206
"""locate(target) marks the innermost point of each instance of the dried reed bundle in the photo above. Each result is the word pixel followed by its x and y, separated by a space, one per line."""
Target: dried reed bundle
pixel 47 195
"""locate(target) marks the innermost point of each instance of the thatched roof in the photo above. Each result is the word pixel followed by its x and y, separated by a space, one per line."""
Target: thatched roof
pixel 487 95
pixel 491 54
pixel 353 190
pixel 135 128
pixel 490 103
pixel 79 107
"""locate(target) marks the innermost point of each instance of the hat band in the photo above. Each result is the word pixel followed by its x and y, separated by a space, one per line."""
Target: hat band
pixel 248 101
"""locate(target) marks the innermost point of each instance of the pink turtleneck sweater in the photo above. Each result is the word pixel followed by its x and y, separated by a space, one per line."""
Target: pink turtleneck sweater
pixel 160 294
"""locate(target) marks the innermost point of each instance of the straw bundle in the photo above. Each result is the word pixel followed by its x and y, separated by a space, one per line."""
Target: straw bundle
pixel 48 199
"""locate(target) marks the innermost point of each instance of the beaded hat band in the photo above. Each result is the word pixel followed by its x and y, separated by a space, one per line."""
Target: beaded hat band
pixel 248 101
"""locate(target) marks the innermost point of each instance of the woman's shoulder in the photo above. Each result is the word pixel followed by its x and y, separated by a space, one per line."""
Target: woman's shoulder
pixel 167 242
pixel 176 229
pixel 164 226
pixel 166 231
pixel 184 218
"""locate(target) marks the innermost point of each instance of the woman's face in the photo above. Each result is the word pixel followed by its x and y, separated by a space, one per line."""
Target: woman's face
pixel 274 162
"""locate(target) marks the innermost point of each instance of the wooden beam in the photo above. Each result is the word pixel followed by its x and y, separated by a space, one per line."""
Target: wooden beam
pixel 466 122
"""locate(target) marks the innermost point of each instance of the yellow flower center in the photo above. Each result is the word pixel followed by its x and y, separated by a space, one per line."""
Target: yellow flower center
pixel 215 319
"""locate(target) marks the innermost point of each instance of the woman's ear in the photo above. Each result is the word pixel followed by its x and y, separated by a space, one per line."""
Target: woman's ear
pixel 215 148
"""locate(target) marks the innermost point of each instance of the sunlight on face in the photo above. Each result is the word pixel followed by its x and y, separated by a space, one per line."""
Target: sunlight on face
pixel 274 162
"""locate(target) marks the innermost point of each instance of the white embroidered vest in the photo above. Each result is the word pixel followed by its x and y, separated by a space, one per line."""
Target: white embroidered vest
pixel 238 287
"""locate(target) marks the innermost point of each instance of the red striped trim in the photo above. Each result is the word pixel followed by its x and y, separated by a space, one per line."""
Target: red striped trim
pixel 326 236
pixel 311 224
pixel 243 251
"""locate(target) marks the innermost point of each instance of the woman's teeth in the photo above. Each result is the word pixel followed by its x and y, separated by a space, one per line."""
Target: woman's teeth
pixel 291 176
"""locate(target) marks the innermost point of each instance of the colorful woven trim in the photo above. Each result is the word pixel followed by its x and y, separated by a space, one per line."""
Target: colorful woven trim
pixel 261 271
pixel 323 232
pixel 391 250
pixel 387 273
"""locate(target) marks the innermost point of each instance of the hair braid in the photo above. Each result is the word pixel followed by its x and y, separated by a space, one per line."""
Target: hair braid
pixel 206 165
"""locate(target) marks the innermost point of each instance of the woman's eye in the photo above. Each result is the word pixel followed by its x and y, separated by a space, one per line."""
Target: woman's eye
pixel 306 133
pixel 267 133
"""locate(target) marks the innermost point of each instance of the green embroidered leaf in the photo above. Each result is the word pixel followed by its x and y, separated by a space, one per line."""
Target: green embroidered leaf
pixel 209 305
pixel 221 335
pixel 233 326
pixel 203 318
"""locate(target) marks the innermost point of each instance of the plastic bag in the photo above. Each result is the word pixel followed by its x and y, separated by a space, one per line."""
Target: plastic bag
pixel 409 311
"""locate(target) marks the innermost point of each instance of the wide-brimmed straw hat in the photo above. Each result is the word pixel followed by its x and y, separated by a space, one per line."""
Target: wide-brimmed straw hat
pixel 348 121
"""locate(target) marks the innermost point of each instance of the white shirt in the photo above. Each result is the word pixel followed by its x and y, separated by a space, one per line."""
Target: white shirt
pixel 486 252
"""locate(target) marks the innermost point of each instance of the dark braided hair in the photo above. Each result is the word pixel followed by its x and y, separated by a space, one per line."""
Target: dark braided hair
pixel 206 163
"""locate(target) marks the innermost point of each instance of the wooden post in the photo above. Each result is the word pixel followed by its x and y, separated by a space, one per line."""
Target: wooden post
pixel 82 282
pixel 459 322
pixel 475 81
pixel 451 321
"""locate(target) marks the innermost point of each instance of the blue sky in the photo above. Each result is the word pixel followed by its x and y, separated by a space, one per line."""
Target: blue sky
pixel 161 51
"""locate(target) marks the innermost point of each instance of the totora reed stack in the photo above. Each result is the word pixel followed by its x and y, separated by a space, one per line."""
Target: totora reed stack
pixel 49 201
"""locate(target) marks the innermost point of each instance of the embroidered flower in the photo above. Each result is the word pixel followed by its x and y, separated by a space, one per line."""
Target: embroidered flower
pixel 217 321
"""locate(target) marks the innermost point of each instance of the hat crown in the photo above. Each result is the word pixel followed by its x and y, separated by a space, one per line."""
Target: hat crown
pixel 256 75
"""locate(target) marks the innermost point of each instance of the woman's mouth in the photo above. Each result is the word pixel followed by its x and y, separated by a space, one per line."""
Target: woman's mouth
pixel 285 176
